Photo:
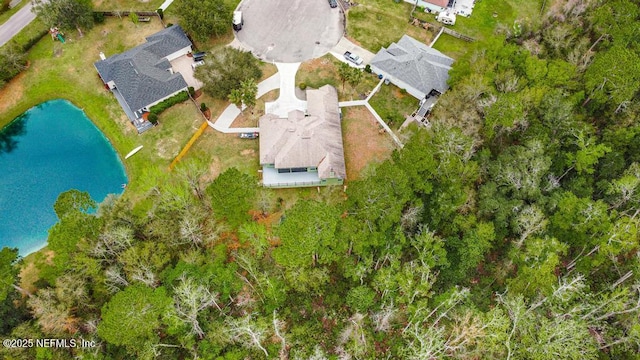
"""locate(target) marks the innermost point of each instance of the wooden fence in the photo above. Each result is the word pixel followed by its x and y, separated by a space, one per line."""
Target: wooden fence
pixel 426 24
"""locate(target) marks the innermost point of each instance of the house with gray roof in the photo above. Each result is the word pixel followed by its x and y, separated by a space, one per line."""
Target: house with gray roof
pixel 304 149
pixel 142 77
pixel 414 66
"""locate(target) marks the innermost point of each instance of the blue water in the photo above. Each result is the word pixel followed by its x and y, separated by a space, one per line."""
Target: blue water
pixel 50 149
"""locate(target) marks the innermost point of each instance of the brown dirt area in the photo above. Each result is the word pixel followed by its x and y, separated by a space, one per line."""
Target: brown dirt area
pixel 364 143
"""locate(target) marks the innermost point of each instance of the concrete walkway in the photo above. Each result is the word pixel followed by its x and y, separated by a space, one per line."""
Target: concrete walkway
pixel 224 121
pixel 16 22
pixel 165 5
pixel 366 104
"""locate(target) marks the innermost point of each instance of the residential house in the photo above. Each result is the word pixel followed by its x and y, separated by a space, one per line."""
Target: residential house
pixel 142 77
pixel 304 149
pixel 411 65
pixel 431 6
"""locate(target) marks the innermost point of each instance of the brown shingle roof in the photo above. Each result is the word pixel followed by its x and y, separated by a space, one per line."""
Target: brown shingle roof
pixel 306 141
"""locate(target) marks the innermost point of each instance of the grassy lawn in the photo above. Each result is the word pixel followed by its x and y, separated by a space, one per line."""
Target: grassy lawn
pixel 127 5
pixel 377 23
pixel 66 71
pixel 452 46
pixel 364 142
pixel 392 104
pixel 318 72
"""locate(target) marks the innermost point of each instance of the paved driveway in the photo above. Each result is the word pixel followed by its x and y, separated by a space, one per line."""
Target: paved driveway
pixel 289 31
pixel 183 66
pixel 346 45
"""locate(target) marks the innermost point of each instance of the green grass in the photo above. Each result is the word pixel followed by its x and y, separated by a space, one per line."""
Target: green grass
pixel 377 23
pixel 392 104
pixel 318 72
pixel 451 46
pixel 127 5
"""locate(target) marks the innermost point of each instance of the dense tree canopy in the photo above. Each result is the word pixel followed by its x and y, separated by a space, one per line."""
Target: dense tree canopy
pixel 225 70
pixel 66 14
pixel 204 19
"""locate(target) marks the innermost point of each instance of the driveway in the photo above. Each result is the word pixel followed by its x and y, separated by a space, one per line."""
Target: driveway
pixel 16 23
pixel 345 45
pixel 289 31
pixel 183 66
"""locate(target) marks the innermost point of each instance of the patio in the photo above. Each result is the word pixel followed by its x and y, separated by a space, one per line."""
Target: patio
pixel 271 178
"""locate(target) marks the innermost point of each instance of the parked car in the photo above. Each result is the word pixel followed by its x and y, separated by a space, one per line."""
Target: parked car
pixel 333 3
pixel 199 56
pixel 197 63
pixel 353 58
pixel 250 135
pixel 238 21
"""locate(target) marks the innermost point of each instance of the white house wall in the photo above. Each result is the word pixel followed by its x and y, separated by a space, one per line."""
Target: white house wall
pixel 179 53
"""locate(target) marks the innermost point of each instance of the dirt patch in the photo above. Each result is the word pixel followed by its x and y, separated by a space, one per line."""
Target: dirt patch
pixel 167 148
pixel 364 143
pixel 214 170
pixel 12 92
pixel 247 152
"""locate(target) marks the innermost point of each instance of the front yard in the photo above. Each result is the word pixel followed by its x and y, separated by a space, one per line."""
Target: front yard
pixel 393 104
pixel 321 71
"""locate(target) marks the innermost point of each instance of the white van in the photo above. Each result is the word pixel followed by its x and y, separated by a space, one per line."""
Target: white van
pixel 237 20
pixel 447 17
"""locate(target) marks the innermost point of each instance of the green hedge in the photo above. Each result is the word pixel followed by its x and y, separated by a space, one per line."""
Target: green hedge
pixel 165 104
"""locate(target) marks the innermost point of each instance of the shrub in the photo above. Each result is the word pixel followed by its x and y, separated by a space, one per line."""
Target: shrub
pixel 34 40
pixel 98 17
pixel 153 118
pixel 160 13
pixel 367 69
pixel 403 92
pixel 192 91
pixel 302 86
pixel 203 107
pixel 134 17
pixel 165 104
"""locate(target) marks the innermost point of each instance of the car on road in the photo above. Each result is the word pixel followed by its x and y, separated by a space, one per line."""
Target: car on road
pixel 249 135
pixel 238 21
pixel 353 58
pixel 333 3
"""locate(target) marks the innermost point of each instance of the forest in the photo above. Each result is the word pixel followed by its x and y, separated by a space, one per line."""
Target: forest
pixel 507 230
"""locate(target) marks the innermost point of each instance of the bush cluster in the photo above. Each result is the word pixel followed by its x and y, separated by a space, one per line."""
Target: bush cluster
pixel 165 104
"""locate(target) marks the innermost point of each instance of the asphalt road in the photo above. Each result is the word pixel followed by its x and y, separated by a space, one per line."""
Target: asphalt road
pixel 16 23
pixel 289 31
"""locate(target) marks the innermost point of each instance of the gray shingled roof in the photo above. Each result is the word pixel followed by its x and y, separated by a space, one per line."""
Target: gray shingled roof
pixel 142 74
pixel 416 64
pixel 306 141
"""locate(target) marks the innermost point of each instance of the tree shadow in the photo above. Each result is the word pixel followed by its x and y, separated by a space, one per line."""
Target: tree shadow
pixel 9 135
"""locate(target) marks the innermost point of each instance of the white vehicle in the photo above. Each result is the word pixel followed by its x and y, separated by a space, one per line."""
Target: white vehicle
pixel 237 20
pixel 196 64
pixel 447 17
pixel 353 58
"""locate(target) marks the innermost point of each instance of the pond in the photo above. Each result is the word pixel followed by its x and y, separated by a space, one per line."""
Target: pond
pixel 50 149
